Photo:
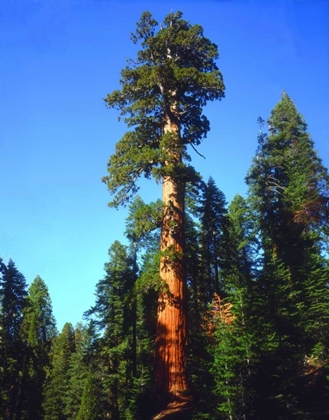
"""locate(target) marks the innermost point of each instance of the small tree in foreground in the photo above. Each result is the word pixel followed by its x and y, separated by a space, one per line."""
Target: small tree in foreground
pixel 161 97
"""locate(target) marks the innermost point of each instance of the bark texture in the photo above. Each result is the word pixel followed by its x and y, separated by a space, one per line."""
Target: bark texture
pixel 170 357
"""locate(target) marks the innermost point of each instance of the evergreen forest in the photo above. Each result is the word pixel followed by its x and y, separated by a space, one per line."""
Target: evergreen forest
pixel 209 309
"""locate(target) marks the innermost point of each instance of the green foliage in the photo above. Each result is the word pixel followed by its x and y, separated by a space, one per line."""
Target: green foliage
pixel 230 369
pixel 90 408
pixel 57 382
pixel 113 316
pixel 143 223
pixel 13 300
pixel 112 291
pixel 38 329
pixel 212 211
pixel 13 349
pixel 38 317
pixel 274 281
pixel 85 382
pixel 289 191
pixel 124 314
pixel 232 318
pixel 174 76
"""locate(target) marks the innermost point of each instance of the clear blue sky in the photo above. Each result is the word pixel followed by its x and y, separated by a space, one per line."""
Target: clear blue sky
pixel 59 58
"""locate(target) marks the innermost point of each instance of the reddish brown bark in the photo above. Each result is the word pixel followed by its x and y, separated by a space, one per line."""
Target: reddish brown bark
pixel 170 357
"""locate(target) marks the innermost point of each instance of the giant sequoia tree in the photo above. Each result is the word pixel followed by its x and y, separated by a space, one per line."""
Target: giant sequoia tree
pixel 161 98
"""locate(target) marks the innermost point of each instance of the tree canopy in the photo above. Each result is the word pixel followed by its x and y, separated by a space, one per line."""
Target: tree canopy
pixel 174 76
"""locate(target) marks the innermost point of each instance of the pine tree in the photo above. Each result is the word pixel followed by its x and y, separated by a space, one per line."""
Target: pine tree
pixel 199 358
pixel 91 407
pixel 289 188
pixel 57 383
pixel 111 314
pixel 39 329
pixel 38 317
pixel 13 349
pixel 233 317
pixel 230 355
pixel 85 383
pixel 142 230
pixel 125 303
pixel 162 96
pixel 212 213
pixel 13 300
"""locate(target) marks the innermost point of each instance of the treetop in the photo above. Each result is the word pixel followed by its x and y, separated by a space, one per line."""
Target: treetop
pixel 174 76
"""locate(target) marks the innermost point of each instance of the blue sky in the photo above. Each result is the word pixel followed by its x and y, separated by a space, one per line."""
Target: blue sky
pixel 58 59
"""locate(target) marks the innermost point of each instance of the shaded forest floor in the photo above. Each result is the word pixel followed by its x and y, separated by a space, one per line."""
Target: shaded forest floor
pixel 312 391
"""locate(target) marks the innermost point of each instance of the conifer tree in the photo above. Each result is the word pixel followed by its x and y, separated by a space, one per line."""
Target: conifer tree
pixel 58 380
pixel 192 253
pixel 91 407
pixel 289 188
pixel 199 357
pixel 13 300
pixel 85 382
pixel 212 213
pixel 13 350
pixel 39 329
pixel 234 316
pixel 142 230
pixel 162 96
pixel 39 320
pixel 112 317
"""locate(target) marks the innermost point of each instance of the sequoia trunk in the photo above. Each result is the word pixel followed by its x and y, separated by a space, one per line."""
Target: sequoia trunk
pixel 170 356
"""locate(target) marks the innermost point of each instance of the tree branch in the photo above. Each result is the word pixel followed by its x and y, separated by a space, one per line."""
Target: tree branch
pixel 197 151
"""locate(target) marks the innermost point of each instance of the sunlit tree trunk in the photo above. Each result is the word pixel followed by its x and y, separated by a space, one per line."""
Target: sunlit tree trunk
pixel 163 92
pixel 170 357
